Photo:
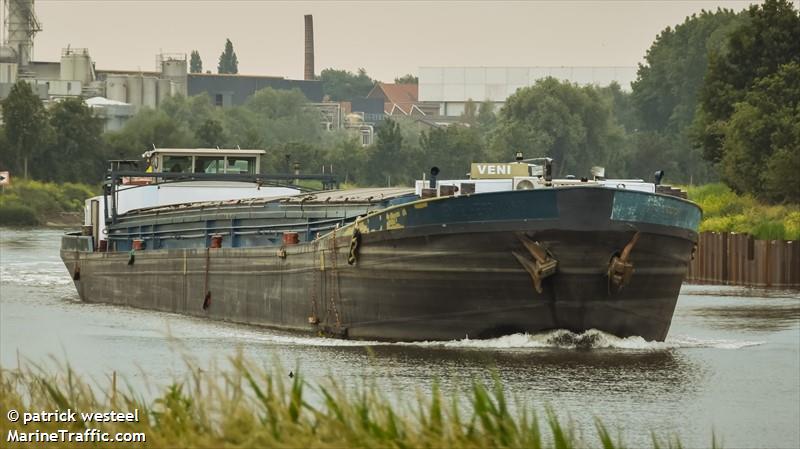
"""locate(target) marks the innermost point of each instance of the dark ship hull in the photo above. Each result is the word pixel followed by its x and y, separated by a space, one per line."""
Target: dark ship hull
pixel 474 266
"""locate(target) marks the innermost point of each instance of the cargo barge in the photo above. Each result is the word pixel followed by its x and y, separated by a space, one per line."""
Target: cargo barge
pixel 509 249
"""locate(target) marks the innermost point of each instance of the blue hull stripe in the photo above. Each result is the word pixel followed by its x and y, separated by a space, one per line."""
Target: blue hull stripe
pixel 655 209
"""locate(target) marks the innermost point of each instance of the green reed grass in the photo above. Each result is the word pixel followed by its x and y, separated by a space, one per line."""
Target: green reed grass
pixel 247 406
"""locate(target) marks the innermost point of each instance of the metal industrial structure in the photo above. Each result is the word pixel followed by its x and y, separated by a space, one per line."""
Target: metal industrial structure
pixel 20 25
pixel 117 95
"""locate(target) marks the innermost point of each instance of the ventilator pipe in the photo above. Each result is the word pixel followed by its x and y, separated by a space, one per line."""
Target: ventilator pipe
pixel 434 173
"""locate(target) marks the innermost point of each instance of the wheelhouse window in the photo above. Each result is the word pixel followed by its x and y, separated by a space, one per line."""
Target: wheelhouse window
pixel 177 164
pixel 209 164
pixel 241 165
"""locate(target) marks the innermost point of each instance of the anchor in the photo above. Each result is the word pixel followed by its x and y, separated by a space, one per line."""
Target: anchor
pixel 543 264
pixel 620 270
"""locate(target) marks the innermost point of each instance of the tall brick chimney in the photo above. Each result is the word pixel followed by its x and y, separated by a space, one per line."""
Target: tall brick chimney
pixel 309 66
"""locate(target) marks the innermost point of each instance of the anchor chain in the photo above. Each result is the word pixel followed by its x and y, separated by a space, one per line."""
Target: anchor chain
pixel 355 243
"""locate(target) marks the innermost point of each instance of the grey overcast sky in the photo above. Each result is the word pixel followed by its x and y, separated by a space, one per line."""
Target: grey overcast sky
pixel 387 38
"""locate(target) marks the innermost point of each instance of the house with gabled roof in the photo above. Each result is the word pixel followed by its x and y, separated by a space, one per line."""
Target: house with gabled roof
pixel 399 99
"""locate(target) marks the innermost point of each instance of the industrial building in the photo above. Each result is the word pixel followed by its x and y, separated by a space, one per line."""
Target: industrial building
pixel 234 90
pixel 452 87
pixel 117 95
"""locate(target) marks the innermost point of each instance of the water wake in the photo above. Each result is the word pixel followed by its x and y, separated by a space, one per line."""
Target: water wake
pixel 35 274
pixel 591 339
pixel 557 339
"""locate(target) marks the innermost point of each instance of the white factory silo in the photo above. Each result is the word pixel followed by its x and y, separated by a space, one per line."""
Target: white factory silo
pixel 164 90
pixel 117 88
pixel 76 65
pixel 149 91
pixel 174 68
pixel 135 88
pixel 8 65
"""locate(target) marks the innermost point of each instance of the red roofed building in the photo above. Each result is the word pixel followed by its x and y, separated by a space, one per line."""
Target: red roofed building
pixel 400 99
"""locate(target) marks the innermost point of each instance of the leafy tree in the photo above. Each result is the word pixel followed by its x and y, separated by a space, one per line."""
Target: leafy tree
pixel 76 153
pixel 242 127
pixel 761 148
pixel 4 150
pixel 228 62
pixel 649 151
pixel 195 63
pixel 486 116
pixel 283 116
pixel 470 114
pixel 768 39
pixel 306 157
pixel 211 134
pixel 192 111
pixel 146 129
pixel 452 149
pixel 668 83
pixel 665 94
pixel 386 159
pixel 27 130
pixel 622 106
pixel 407 79
pixel 342 85
pixel 344 153
pixel 571 124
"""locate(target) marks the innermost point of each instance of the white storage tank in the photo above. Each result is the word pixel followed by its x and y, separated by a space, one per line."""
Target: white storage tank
pixel 117 88
pixel 8 72
pixel 164 89
pixel 76 65
pixel 66 68
pixel 174 68
pixel 149 91
pixel 135 90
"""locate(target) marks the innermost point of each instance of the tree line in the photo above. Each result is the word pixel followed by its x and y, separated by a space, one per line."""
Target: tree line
pixel 715 98
pixel 228 61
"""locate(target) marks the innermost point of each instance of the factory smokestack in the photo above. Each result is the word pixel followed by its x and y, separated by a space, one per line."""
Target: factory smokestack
pixel 309 67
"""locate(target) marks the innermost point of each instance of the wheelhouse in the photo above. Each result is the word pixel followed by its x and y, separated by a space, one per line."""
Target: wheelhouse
pixel 204 160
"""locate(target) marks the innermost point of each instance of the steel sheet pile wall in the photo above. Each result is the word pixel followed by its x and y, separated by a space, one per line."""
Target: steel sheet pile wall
pixel 739 259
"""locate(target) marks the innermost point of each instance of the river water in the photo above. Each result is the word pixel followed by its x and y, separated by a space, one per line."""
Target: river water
pixel 731 363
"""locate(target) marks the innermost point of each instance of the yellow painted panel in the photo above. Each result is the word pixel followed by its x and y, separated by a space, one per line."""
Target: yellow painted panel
pixel 487 170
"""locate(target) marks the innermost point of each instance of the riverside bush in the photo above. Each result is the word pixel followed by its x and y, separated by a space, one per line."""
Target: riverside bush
pixel 17 215
pixel 42 199
pixel 725 211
